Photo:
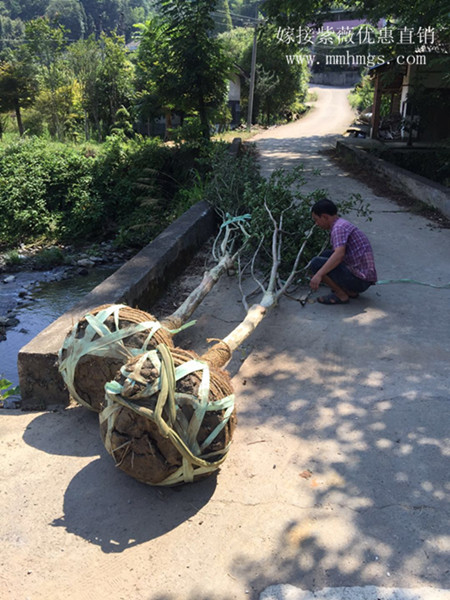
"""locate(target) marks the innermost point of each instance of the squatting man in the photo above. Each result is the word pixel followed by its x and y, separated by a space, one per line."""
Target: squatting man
pixel 349 268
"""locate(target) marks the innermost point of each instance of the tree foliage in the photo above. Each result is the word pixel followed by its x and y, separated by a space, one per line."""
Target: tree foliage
pixel 82 17
pixel 278 85
pixel 411 13
pixel 156 83
pixel 70 14
pixel 25 9
pixel 11 33
pixel 84 58
pixel 18 86
pixel 83 83
pixel 45 43
pixel 222 16
pixel 114 84
pixel 183 71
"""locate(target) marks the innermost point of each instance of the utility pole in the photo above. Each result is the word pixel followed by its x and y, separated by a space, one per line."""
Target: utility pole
pixel 252 74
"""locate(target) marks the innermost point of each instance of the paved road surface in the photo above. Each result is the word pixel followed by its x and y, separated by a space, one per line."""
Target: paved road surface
pixel 339 472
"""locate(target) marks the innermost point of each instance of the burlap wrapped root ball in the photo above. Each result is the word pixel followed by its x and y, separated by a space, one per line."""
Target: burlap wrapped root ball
pixel 100 343
pixel 169 417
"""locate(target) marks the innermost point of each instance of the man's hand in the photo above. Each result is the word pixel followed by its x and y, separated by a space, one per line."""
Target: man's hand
pixel 315 281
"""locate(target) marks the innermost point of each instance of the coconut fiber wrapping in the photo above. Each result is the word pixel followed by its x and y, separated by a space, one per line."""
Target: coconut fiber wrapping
pixel 169 417
pixel 100 343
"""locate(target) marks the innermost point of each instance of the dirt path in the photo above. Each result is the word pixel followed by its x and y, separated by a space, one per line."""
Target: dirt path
pixel 338 471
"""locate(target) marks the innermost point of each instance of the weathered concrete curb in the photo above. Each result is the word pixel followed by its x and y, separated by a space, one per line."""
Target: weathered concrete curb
pixel 137 283
pixel 418 187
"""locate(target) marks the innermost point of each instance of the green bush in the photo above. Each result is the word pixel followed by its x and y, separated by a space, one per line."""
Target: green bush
pixel 128 190
pixel 361 96
pixel 33 122
pixel 137 181
pixel 12 258
pixel 36 178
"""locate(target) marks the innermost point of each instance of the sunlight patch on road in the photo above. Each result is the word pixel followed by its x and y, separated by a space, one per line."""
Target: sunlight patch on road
pixel 368 317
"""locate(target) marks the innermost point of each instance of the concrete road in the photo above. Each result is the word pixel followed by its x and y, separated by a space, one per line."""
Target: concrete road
pixel 301 141
pixel 337 483
pixel 351 405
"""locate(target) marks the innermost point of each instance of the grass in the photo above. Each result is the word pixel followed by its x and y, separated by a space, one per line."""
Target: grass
pixel 49 257
pixel 244 134
pixel 12 258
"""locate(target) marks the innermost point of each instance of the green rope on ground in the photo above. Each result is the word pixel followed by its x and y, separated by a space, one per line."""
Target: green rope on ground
pixel 433 285
pixel 174 426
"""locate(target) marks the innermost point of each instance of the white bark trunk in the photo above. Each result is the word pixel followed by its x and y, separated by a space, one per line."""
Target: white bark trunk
pixel 220 353
pixel 254 316
pixel 210 278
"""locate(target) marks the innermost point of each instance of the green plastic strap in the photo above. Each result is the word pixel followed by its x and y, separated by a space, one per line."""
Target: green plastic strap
pixel 433 285
pixel 181 328
pixel 182 433
pixel 232 220
pixel 108 343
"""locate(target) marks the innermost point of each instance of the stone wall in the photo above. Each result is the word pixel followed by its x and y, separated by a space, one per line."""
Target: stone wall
pixel 336 78
pixel 416 186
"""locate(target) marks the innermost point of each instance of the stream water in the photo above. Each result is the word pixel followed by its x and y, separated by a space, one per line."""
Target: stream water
pixel 45 301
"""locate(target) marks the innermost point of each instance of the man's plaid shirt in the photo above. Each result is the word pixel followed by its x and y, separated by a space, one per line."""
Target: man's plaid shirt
pixel 358 251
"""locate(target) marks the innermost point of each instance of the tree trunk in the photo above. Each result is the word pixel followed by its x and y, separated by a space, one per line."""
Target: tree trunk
pixel 168 116
pixel 18 117
pixel 86 126
pixel 219 354
pixel 203 117
pixel 210 278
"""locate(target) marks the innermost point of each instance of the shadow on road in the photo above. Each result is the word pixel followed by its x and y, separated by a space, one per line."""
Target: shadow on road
pixel 77 434
pixel 107 508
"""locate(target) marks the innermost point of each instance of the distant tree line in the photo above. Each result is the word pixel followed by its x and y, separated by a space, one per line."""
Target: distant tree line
pixel 93 86
pixel 81 18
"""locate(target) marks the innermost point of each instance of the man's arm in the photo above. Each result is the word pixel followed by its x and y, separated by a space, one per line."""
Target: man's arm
pixel 335 259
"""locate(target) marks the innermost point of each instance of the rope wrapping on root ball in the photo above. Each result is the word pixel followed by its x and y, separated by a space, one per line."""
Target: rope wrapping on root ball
pixel 169 417
pixel 100 343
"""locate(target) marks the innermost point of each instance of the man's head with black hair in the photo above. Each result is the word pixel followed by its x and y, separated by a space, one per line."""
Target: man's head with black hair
pixel 324 213
pixel 324 206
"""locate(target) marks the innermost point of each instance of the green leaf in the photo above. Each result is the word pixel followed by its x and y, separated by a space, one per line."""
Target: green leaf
pixel 5 392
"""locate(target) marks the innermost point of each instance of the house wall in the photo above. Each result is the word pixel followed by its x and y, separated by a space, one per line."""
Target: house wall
pixel 431 77
pixel 234 89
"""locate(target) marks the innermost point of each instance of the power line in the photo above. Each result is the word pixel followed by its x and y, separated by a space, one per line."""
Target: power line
pixel 244 18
